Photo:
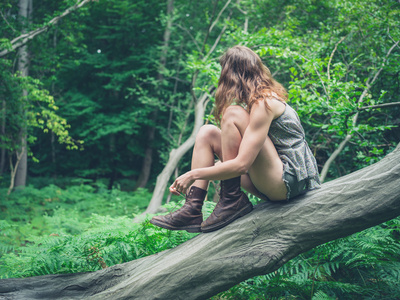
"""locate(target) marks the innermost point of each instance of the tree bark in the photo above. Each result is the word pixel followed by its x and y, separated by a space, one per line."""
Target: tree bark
pixel 22 167
pixel 3 133
pixel 25 10
pixel 53 135
pixel 256 244
pixel 148 157
pixel 13 170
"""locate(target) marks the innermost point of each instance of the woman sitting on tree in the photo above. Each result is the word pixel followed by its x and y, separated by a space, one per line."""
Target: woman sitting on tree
pixel 260 142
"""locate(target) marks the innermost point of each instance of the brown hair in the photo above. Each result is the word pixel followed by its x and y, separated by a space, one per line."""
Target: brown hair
pixel 244 79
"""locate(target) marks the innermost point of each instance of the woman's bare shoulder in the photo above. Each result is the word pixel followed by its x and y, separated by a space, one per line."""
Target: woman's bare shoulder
pixel 276 106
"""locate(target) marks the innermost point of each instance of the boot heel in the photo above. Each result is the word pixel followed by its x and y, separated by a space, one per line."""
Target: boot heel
pixel 194 229
pixel 233 204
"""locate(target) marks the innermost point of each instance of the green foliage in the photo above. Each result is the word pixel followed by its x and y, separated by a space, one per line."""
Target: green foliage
pixel 103 241
pixel 98 76
pixel 53 231
pixel 29 211
pixel 329 70
pixel 36 110
pixel 109 71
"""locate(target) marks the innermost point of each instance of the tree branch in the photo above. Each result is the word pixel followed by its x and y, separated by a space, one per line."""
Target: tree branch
pixel 191 36
pixel 316 71
pixel 330 58
pixel 392 38
pixel 24 38
pixel 246 19
pixel 217 39
pixel 384 105
pixel 209 26
pixel 14 169
pixel 219 15
pixel 5 20
pixel 333 156
pixel 212 24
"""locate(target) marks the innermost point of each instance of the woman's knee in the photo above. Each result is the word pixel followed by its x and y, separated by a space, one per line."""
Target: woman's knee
pixel 208 133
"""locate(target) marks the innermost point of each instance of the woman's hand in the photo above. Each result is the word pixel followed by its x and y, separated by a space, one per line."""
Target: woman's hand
pixel 182 183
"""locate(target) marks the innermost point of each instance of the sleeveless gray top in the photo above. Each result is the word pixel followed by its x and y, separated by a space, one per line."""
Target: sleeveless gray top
pixel 288 136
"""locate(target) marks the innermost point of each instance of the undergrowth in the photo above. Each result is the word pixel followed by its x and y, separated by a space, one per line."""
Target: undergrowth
pixel 82 228
pixel 37 212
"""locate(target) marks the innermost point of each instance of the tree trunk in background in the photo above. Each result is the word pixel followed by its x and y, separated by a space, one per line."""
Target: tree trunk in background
pixel 53 155
pixel 3 133
pixel 148 157
pixel 53 136
pixel 20 175
pixel 113 164
pixel 256 244
pixel 25 9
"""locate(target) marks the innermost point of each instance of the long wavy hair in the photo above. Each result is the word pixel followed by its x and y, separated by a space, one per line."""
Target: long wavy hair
pixel 244 80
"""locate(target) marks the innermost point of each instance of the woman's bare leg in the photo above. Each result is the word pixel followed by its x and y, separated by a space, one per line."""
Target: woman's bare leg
pixel 233 124
pixel 266 172
pixel 263 178
pixel 208 144
pixel 233 203
pixel 249 187
pixel 189 217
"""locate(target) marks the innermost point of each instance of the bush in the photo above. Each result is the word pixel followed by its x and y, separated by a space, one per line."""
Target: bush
pixel 81 228
pixel 106 241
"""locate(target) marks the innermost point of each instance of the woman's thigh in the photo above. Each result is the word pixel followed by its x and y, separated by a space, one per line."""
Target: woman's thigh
pixel 266 172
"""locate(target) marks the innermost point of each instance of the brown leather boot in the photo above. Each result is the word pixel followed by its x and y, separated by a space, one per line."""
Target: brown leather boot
pixel 233 204
pixel 188 217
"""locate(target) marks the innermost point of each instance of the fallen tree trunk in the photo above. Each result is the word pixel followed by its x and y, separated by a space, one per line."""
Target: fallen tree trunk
pixel 256 244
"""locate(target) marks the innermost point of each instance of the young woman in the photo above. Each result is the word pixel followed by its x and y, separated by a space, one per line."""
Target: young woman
pixel 260 143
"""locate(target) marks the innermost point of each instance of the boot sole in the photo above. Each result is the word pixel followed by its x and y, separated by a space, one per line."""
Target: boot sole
pixel 244 211
pixel 189 228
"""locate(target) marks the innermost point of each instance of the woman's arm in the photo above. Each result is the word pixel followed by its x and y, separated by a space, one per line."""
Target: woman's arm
pixel 253 139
